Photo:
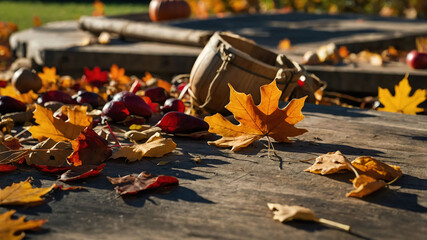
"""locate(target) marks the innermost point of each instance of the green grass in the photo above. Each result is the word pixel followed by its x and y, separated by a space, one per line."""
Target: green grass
pixel 22 13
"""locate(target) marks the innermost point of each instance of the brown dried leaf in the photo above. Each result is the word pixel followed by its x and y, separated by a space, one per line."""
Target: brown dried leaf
pixel 135 135
pixel 329 163
pixel 365 185
pixel 284 213
pixel 56 157
pixel 376 169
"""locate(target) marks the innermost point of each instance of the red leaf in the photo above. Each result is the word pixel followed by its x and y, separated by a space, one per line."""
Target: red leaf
pixel 50 169
pixel 7 168
pixel 96 77
pixel 131 184
pixel 89 149
pixel 81 172
pixel 155 107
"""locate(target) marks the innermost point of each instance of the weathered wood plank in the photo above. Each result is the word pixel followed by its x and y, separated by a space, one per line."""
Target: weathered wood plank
pixel 225 196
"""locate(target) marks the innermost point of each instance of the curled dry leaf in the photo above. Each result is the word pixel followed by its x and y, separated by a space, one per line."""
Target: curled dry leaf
pixel 135 135
pixel 89 149
pixel 12 229
pixel 365 185
pixel 330 163
pixel 23 193
pixel 131 184
pixel 56 156
pixel 156 146
pixel 376 169
pixel 81 172
pixel 12 142
pixel 58 129
pixel 265 119
pixel 284 213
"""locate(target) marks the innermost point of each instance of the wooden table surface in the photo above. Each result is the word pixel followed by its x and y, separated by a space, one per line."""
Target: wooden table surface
pixel 226 195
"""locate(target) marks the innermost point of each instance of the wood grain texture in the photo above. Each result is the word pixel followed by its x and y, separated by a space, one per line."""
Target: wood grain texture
pixel 225 196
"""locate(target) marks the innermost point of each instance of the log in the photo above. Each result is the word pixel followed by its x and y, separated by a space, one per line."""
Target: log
pixel 146 31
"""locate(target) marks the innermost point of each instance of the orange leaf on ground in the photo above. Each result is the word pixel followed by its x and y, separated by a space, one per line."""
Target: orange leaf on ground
pixel 10 91
pixel 284 44
pixel 89 149
pixel 365 185
pixel 330 163
pixel 7 168
pixel 376 169
pixel 256 122
pixel 118 74
pixel 58 129
pixel 48 76
pixel 12 229
pixel 23 193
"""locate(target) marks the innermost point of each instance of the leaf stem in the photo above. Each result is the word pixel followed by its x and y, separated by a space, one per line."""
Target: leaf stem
pixel 334 224
pixel 112 133
pixel 394 180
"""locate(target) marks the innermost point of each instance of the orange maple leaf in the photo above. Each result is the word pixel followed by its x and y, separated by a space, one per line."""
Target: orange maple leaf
pixel 256 122
pixel 58 129
pixel 10 91
pixel 9 227
pixel 118 74
pixel 98 8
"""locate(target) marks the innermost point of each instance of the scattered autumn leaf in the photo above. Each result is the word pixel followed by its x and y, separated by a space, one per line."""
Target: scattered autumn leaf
pixel 55 155
pixel 89 149
pixel 7 168
pixel 376 169
pixel 165 85
pixel 71 188
pixel 58 129
pixel 52 170
pixel 285 213
pixel 131 184
pixel 12 229
pixel 48 76
pixel 330 163
pixel 81 172
pixel 96 77
pixel 23 193
pixel 118 74
pixel 401 102
pixel 37 22
pixel 365 185
pixel 98 7
pixel 135 135
pixel 11 142
pixel 284 44
pixel 156 146
pixel 256 122
pixel 10 91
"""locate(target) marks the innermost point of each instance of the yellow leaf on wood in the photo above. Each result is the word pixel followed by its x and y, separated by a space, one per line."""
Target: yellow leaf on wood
pixel 265 119
pixel 330 163
pixel 58 129
pixel 365 185
pixel 10 91
pixel 284 213
pixel 12 229
pixel 48 76
pixel 156 146
pixel 401 102
pixel 23 193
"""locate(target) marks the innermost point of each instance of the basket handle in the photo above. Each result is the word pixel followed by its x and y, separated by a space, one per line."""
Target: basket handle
pixel 226 58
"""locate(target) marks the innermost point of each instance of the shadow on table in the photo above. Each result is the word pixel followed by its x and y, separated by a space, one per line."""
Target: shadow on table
pixel 174 194
pixel 396 199
pixel 313 227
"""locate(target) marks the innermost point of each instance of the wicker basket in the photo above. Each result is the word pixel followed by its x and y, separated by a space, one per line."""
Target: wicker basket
pixel 229 58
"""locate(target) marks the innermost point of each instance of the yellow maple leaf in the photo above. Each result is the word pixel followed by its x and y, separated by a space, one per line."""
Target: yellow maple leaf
pixel 10 227
pixel 376 169
pixel 58 129
pixel 156 146
pixel 48 76
pixel 401 102
pixel 284 44
pixel 256 122
pixel 10 91
pixel 118 74
pixel 23 193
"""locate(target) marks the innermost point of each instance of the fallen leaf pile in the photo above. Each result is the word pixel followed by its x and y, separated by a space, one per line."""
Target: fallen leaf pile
pixel 371 174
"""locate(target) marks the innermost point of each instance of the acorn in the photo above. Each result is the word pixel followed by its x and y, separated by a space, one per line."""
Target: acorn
pixel 25 80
